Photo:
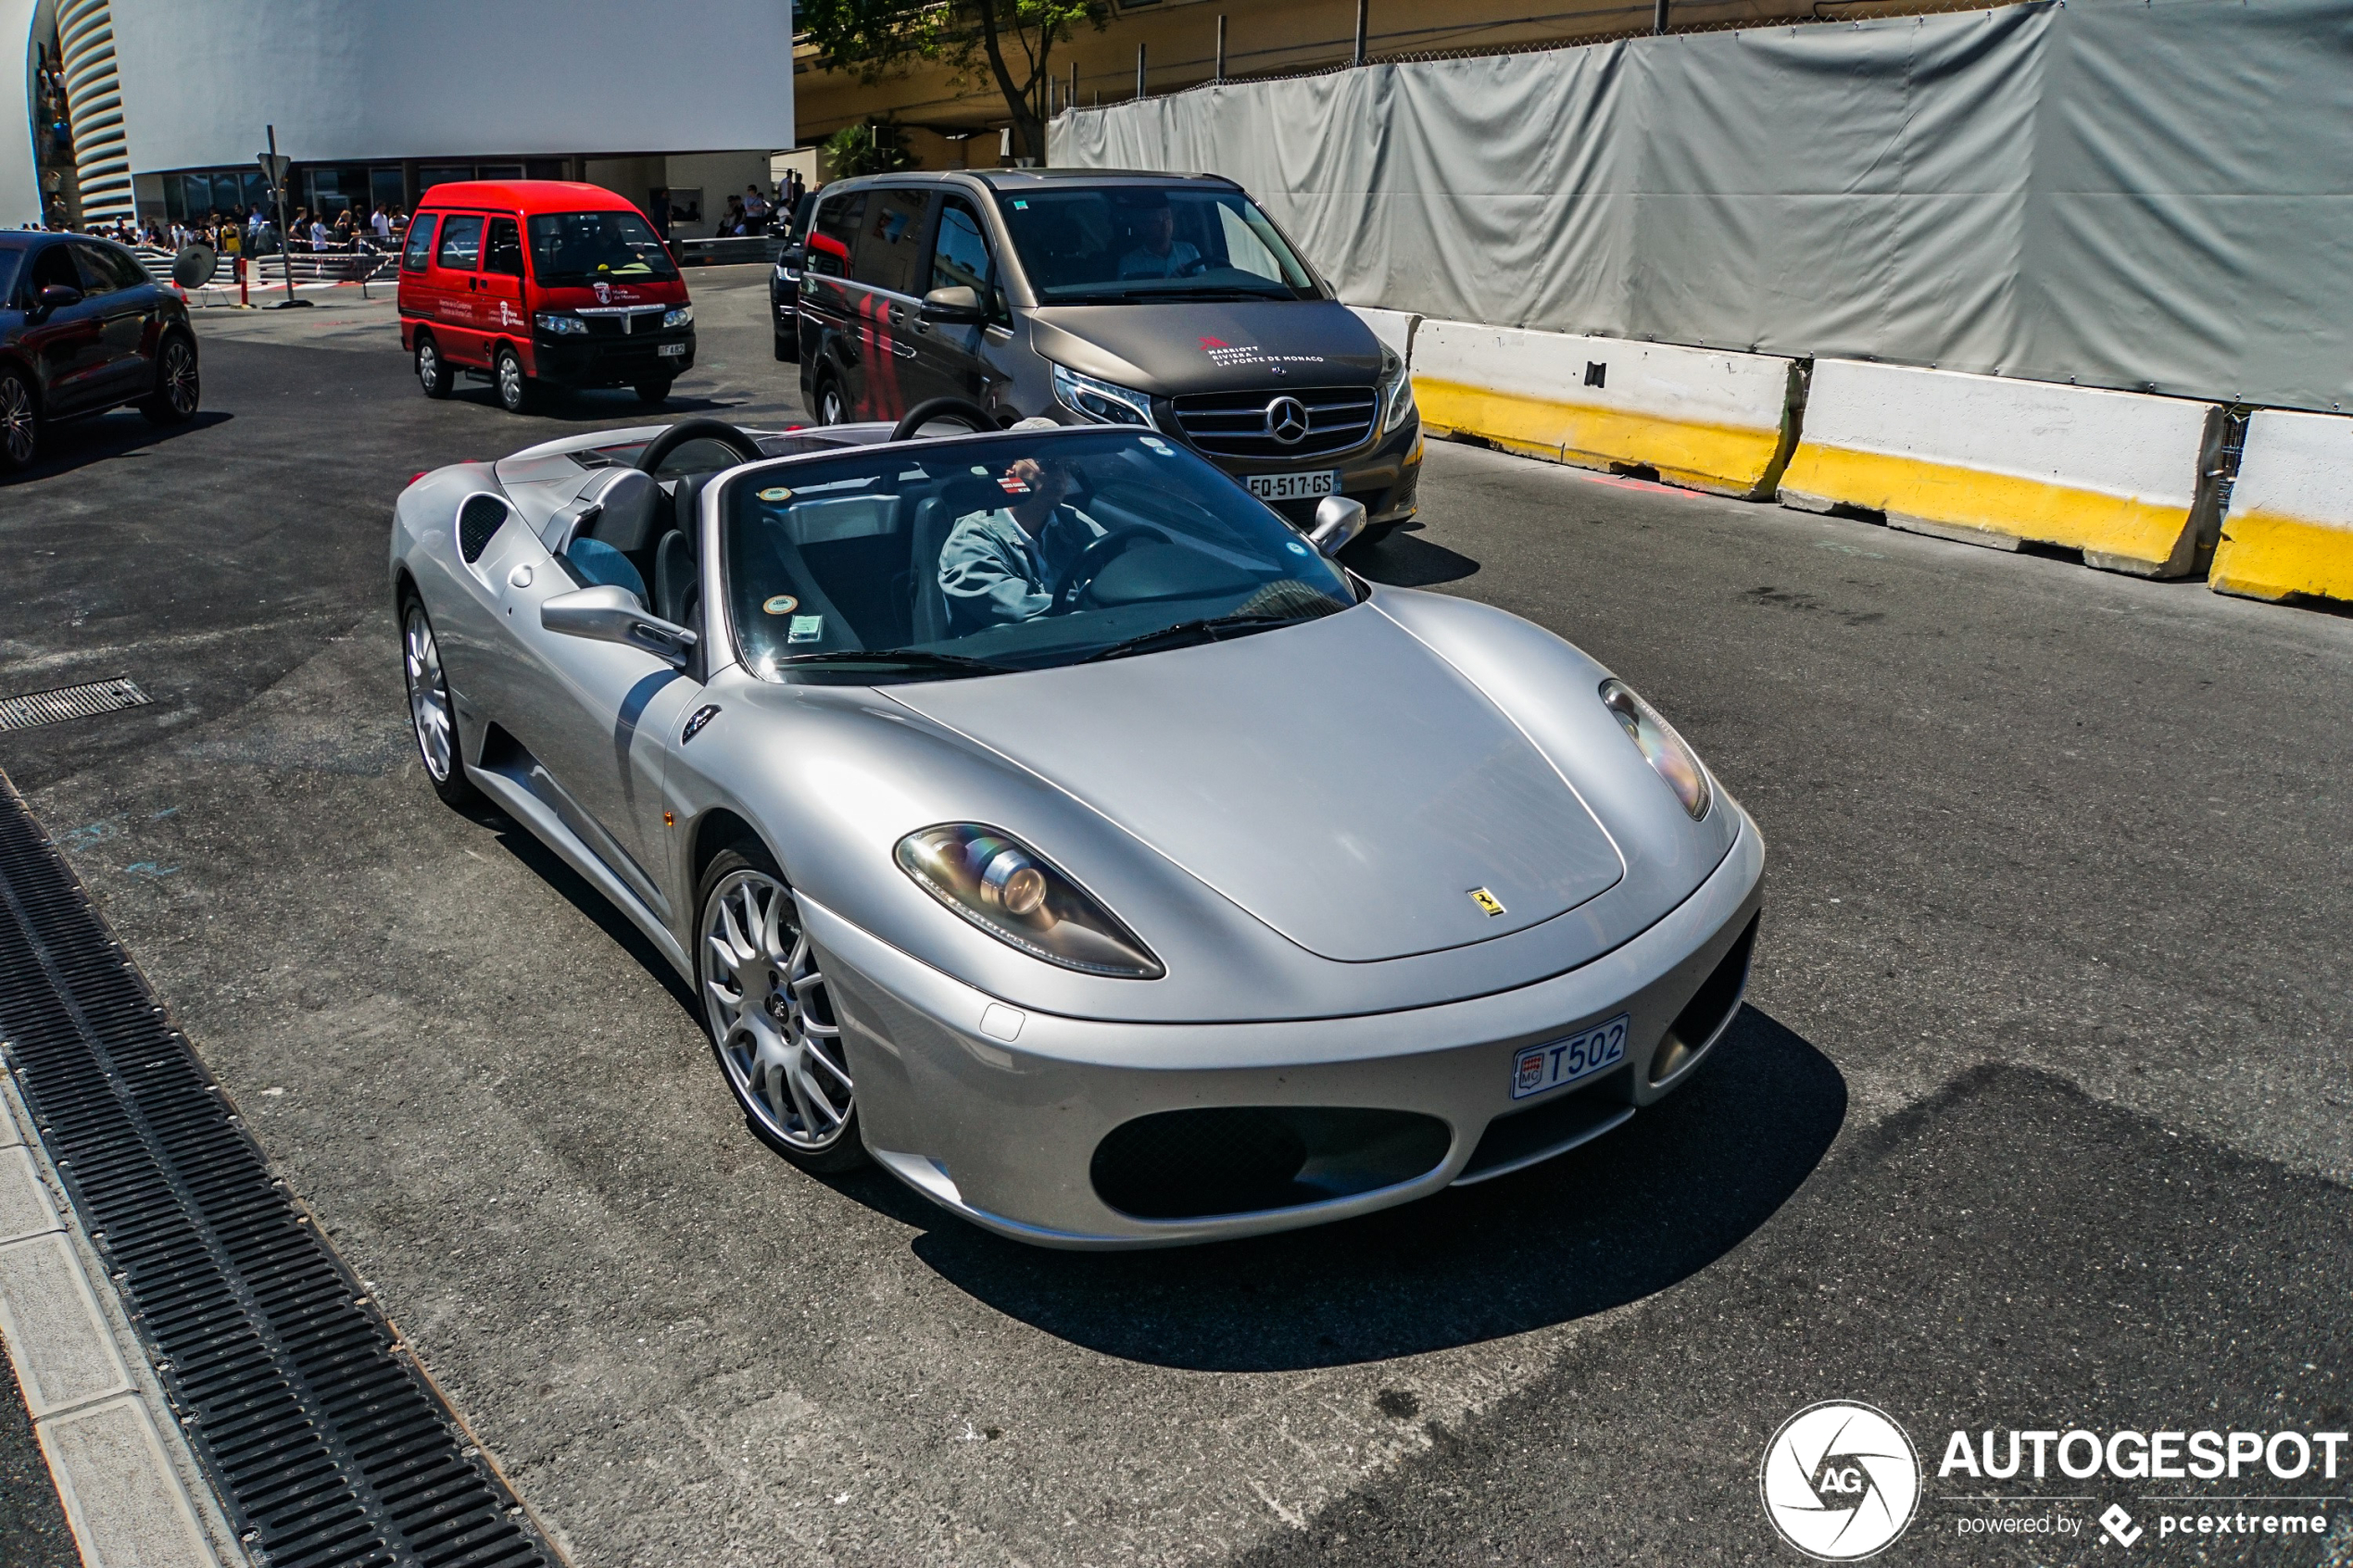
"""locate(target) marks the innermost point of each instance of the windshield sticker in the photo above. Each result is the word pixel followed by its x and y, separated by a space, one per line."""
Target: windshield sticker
pixel 1157 444
pixel 1010 485
pixel 1294 547
pixel 805 629
pixel 978 469
pixel 775 492
pixel 1021 206
pixel 783 604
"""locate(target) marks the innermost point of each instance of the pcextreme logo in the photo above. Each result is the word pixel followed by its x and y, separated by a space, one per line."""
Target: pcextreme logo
pixel 1840 1480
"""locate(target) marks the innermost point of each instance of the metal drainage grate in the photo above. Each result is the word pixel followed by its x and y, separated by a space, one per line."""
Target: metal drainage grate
pixel 328 1444
pixel 83 701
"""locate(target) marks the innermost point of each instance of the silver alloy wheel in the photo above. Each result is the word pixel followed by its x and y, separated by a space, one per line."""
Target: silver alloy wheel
pixel 19 424
pixel 770 1013
pixel 429 366
pixel 829 406
pixel 510 381
pixel 428 695
pixel 180 378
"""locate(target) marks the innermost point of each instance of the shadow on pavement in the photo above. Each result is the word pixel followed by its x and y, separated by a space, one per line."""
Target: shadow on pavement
pixel 615 407
pixel 1403 561
pixel 71 444
pixel 551 868
pixel 1614 1222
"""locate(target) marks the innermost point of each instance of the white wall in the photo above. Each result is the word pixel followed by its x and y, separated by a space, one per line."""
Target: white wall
pixel 396 79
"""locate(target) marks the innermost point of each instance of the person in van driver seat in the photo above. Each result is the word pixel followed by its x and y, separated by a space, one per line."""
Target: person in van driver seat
pixel 1159 254
pixel 1002 565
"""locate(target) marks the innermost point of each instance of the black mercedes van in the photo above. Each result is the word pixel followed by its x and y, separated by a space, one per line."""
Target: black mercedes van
pixel 1086 295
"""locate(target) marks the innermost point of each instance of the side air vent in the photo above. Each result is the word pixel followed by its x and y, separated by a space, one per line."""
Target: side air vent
pixel 477 520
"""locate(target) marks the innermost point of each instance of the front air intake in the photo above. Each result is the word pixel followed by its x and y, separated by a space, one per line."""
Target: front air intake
pixel 1710 1009
pixel 1244 1159
pixel 478 520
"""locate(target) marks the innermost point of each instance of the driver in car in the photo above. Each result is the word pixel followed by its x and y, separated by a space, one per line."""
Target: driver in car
pixel 1159 254
pixel 1002 565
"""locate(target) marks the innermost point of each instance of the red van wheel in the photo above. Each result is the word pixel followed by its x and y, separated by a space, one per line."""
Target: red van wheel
pixel 513 386
pixel 432 372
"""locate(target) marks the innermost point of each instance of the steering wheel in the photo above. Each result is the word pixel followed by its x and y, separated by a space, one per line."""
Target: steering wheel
pixel 1081 573
pixel 976 418
pixel 658 450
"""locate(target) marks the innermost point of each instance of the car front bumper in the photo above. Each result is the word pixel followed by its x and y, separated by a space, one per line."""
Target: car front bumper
pixel 619 361
pixel 998 1113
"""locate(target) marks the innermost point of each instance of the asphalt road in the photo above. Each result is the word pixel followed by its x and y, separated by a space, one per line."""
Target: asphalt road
pixel 2038 1117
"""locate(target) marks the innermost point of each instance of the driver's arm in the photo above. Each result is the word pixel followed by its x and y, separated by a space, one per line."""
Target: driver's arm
pixel 982 572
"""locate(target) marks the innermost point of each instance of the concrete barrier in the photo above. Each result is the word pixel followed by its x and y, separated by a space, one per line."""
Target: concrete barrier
pixel 1701 418
pixel 2289 531
pixel 1394 328
pixel 1988 460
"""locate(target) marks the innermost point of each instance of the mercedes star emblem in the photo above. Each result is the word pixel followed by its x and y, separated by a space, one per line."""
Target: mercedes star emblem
pixel 1287 420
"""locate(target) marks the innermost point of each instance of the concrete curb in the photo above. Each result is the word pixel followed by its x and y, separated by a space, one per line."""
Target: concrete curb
pixel 2289 533
pixel 131 1490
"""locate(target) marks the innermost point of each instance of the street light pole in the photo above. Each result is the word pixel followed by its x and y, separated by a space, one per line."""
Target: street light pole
pixel 1140 73
pixel 1362 8
pixel 278 188
pixel 1658 16
pixel 1221 46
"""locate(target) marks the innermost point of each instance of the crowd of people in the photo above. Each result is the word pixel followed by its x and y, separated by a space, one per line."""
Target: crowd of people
pixel 255 233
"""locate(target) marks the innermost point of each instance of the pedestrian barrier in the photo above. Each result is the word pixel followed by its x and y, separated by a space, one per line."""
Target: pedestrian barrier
pixel 2289 531
pixel 1701 418
pixel 1394 328
pixel 2125 478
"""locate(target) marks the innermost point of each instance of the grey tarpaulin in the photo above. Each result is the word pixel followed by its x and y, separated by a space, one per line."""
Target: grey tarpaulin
pixel 2154 196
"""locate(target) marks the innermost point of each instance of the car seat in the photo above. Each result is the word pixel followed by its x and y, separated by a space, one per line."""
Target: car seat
pixel 677 584
pixel 935 517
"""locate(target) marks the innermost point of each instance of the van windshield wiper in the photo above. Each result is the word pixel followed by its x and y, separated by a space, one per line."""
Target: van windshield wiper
pixel 1223 293
pixel 1209 629
pixel 904 658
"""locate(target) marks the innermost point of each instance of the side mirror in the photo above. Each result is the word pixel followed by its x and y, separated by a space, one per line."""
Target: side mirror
pixel 957 302
pixel 56 296
pixel 609 614
pixel 1338 521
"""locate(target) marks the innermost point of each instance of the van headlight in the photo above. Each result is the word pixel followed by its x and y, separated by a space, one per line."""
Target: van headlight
pixel 1099 402
pixel 999 884
pixel 1660 746
pixel 678 316
pixel 559 325
pixel 1397 387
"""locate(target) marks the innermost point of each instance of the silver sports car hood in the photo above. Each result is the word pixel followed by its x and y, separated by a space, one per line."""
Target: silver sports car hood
pixel 1337 780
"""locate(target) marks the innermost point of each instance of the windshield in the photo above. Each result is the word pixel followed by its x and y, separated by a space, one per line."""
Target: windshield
pixel 1009 552
pixel 1121 244
pixel 10 260
pixel 569 250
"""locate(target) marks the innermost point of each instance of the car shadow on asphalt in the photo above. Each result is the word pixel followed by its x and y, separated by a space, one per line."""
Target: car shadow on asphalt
pixel 551 868
pixel 1612 1223
pixel 617 408
pixel 75 444
pixel 1404 560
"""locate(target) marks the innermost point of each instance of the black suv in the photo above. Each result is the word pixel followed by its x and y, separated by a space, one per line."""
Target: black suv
pixel 1166 302
pixel 82 330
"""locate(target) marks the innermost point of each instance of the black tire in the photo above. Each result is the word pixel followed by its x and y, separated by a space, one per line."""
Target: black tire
pixel 179 387
pixel 788 350
pixel 655 392
pixel 19 421
pixel 433 371
pixel 507 381
pixel 446 773
pixel 844 1149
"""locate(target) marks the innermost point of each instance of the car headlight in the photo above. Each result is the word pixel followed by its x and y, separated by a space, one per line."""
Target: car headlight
pixel 555 325
pixel 1660 746
pixel 678 316
pixel 1015 895
pixel 1400 387
pixel 1099 401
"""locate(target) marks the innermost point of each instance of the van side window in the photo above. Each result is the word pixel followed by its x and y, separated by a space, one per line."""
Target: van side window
pixel 97 276
pixel 832 232
pixel 960 258
pixel 505 251
pixel 420 246
pixel 460 242
pixel 889 241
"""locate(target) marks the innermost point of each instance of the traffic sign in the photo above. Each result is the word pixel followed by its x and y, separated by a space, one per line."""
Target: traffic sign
pixel 274 166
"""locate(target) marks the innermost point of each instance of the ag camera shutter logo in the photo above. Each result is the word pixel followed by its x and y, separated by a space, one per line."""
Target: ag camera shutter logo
pixel 1841 1481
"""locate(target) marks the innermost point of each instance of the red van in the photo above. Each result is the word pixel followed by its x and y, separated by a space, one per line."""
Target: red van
pixel 524 281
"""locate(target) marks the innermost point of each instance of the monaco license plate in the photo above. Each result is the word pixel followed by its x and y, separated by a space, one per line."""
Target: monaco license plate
pixel 671 351
pixel 1292 487
pixel 1566 1061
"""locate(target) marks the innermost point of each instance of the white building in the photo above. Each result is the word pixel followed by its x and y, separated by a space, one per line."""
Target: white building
pixel 164 102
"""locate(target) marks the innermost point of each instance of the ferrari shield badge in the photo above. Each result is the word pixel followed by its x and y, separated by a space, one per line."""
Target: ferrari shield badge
pixel 1487 903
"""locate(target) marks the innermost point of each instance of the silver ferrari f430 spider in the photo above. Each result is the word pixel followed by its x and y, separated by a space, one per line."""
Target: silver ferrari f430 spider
pixel 1041 816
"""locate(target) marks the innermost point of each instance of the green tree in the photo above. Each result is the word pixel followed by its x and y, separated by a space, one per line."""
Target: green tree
pixel 875 147
pixel 1011 41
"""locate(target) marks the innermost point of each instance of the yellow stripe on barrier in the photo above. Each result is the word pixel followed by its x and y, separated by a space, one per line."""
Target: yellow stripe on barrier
pixel 2129 531
pixel 2268 555
pixel 1706 457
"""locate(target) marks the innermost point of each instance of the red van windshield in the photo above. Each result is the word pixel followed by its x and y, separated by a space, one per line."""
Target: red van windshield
pixel 569 250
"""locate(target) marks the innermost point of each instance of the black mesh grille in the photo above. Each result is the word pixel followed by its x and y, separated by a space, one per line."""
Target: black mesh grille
pixel 329 1447
pixel 1233 424
pixel 477 520
pixel 1240 1160
pixel 1718 995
